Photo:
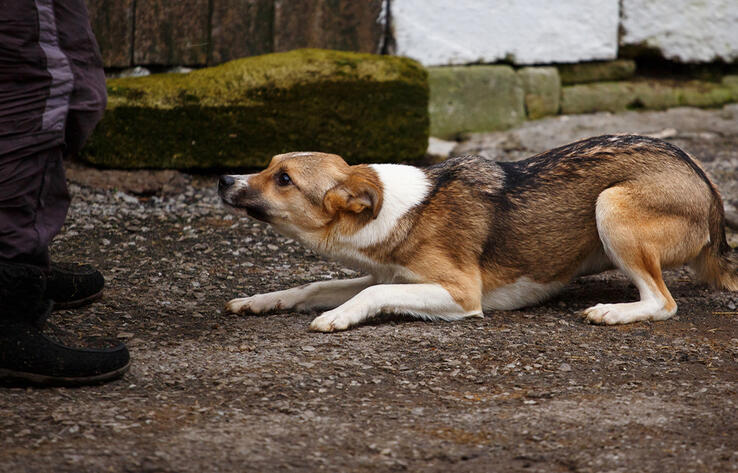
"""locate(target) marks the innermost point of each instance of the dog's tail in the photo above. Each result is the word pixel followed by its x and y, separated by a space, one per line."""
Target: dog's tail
pixel 717 264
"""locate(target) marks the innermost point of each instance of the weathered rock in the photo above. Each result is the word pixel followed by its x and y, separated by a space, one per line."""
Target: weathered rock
pixel 475 98
pixel 361 106
pixel 600 71
pixel 439 149
pixel 112 23
pixel 682 30
pixel 171 32
pixel 438 32
pixel 241 28
pixel 651 94
pixel 542 89
pixel 332 24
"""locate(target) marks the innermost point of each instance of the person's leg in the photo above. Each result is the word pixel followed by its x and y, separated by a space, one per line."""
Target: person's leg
pixel 36 81
pixel 72 284
pixel 36 85
pixel 89 95
pixel 33 205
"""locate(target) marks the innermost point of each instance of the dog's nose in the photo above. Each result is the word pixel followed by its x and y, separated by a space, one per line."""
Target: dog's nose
pixel 225 181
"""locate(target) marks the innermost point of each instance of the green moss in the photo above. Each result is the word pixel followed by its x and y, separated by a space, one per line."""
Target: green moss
pixel 361 106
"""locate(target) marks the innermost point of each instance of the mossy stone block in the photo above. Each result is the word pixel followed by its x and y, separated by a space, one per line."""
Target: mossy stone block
pixel 654 95
pixel 731 83
pixel 705 94
pixel 365 107
pixel 600 97
pixel 542 89
pixel 651 95
pixel 474 98
pixel 606 71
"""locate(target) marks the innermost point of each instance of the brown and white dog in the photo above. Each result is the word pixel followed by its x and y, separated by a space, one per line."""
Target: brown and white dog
pixel 469 234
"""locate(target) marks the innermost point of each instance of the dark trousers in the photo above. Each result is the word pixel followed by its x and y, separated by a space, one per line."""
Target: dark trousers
pixel 52 94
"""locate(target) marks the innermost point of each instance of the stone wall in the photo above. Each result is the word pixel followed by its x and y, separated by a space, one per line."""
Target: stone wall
pixel 434 32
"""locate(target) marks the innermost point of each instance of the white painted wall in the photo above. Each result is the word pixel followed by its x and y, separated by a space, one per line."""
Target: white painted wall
pixel 446 32
pixel 684 30
pixel 443 32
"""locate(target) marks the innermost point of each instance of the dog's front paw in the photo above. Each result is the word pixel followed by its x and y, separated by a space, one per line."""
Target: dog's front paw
pixel 257 304
pixel 330 321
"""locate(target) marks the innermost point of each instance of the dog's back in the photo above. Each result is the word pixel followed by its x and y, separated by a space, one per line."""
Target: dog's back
pixel 536 220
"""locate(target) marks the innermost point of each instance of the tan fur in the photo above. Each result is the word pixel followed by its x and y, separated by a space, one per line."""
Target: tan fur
pixel 633 203
pixel 353 202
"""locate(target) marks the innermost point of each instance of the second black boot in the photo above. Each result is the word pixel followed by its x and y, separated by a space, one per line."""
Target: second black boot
pixel 72 285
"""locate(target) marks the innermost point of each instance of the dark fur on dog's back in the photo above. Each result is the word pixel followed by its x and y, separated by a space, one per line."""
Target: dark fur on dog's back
pixel 530 204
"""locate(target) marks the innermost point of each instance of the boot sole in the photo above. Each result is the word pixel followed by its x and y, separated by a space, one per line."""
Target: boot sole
pixel 23 378
pixel 77 303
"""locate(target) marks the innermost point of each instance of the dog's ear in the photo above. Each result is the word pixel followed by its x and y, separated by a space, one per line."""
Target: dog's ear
pixel 360 192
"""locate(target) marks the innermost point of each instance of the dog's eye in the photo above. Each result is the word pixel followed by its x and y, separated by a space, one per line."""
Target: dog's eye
pixel 284 179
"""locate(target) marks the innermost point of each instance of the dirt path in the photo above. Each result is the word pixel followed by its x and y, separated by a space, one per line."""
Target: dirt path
pixel 531 390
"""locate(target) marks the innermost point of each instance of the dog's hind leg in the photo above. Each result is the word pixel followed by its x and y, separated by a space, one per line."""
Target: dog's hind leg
pixel 317 295
pixel 641 233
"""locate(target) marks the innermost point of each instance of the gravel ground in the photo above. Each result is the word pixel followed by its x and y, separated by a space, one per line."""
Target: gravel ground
pixel 529 390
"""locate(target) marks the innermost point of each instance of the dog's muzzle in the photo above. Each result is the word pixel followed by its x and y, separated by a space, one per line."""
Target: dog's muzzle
pixel 225 182
pixel 242 197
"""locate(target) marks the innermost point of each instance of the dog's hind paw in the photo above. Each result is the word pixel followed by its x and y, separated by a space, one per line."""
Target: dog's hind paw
pixel 626 313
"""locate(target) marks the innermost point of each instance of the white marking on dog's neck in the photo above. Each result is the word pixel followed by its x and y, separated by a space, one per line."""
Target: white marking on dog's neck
pixel 404 187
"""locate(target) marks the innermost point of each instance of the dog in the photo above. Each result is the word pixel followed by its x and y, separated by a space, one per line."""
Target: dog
pixel 453 239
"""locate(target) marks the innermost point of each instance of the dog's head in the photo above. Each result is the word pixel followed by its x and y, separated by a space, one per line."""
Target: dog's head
pixel 306 193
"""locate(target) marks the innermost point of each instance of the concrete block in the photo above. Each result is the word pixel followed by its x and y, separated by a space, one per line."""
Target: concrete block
pixel 347 25
pixel 541 89
pixel 171 33
pixel 682 30
pixel 112 23
pixel 241 28
pixel 474 98
pixel 581 73
pixel 523 32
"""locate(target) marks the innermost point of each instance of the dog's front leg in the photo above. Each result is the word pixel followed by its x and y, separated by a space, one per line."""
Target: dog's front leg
pixel 317 295
pixel 427 301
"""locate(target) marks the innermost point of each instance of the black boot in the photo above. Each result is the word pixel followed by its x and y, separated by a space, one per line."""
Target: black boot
pixel 28 355
pixel 72 285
